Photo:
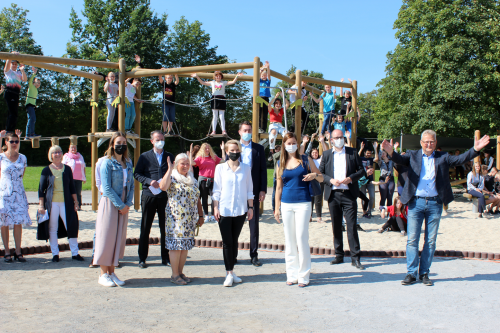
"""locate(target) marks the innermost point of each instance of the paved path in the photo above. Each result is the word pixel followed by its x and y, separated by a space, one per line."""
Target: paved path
pixel 44 296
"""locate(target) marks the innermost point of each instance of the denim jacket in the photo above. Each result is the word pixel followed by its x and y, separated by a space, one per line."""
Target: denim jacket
pixel 112 182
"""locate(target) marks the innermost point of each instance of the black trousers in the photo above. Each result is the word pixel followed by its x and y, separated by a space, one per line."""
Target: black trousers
pixel 460 172
pixel 114 124
pixel 386 192
pixel 230 229
pixel 303 120
pixel 344 204
pixel 317 202
pixel 254 231
pixel 150 206
pixel 204 193
pixel 12 100
pixel 263 114
pixel 395 223
pixel 366 201
pixel 78 188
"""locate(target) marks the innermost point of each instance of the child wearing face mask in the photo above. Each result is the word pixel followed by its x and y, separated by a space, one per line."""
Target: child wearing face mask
pixel 218 102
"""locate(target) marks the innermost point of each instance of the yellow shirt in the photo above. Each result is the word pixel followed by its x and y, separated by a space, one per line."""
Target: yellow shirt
pixel 58 195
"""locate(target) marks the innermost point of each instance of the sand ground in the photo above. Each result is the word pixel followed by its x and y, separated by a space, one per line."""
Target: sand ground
pixel 460 229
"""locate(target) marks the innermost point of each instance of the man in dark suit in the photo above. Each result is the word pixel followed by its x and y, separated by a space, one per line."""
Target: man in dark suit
pixel 253 155
pixel 427 189
pixel 341 168
pixel 150 168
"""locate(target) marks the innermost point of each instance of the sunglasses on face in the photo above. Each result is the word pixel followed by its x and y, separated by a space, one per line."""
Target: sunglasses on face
pixel 14 142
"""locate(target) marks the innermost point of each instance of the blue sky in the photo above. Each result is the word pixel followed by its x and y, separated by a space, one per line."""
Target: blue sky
pixel 347 39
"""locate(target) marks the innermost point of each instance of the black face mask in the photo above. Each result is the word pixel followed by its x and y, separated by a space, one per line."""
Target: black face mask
pixel 234 156
pixel 120 149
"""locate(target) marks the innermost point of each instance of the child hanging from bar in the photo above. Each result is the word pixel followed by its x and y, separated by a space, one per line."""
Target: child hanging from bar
pixel 33 85
pixel 111 90
pixel 130 91
pixel 276 113
pixel 218 103
pixel 265 94
pixel 168 108
pixel 13 79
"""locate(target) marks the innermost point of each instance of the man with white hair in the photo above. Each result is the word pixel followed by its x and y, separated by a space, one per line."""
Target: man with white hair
pixel 426 190
pixel 150 168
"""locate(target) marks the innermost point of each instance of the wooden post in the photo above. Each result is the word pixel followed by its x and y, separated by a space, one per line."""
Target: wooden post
pixel 477 159
pixel 354 120
pixel 55 141
pixel 93 154
pixel 137 150
pixel 255 109
pixel 73 140
pixel 298 109
pixel 321 106
pixel 121 93
pixel 498 152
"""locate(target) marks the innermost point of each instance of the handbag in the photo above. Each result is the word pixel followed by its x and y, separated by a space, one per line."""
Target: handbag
pixel 314 186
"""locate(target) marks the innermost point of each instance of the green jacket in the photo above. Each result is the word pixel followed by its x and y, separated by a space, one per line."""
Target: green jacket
pixel 32 92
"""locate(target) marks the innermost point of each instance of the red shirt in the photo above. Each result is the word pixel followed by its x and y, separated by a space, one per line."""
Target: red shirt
pixel 276 118
pixel 390 210
pixel 207 165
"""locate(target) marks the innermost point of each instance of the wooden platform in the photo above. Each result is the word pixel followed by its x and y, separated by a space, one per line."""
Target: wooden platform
pixel 217 136
pixel 458 182
pixel 99 135
pixel 266 136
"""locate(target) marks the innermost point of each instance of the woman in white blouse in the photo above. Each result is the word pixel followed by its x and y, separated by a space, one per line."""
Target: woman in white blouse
pixel 233 199
pixel 475 186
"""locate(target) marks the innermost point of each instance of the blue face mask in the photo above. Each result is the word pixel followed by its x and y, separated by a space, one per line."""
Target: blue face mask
pixel 246 136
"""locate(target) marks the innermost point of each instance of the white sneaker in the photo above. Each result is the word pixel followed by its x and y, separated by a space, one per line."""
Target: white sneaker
pixel 105 280
pixel 116 280
pixel 229 281
pixel 236 279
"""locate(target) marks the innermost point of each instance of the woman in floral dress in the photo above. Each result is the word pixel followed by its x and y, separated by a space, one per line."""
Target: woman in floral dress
pixel 183 214
pixel 13 201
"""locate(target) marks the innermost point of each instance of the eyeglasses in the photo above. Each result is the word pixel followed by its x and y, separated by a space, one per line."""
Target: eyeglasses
pixel 429 143
pixel 14 142
pixel 57 152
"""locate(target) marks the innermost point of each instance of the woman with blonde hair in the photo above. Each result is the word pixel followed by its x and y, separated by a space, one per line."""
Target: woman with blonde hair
pixel 183 214
pixel 475 187
pixel 206 161
pixel 57 195
pixel 293 196
pixel 233 198
pixel 117 183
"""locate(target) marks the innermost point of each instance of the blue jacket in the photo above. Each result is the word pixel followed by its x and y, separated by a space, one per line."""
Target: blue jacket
pixel 112 182
pixel 442 163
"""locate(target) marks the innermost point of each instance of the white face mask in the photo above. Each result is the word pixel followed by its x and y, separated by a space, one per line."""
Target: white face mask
pixel 159 144
pixel 291 148
pixel 339 143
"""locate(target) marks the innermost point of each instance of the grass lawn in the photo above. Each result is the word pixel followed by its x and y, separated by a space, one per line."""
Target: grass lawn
pixel 32 178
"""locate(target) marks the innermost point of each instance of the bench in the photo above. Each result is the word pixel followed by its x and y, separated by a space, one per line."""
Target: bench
pixel 474 201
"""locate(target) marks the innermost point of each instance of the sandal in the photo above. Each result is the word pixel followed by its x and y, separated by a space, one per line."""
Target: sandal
pixel 19 257
pixel 178 280
pixel 7 258
pixel 185 278
pixel 303 285
pixel 288 283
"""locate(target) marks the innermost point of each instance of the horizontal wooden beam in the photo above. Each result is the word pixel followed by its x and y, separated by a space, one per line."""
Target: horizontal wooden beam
pixel 287 79
pixel 227 77
pixel 64 70
pixel 55 60
pixel 323 81
pixel 266 136
pixel 192 69
pixel 99 135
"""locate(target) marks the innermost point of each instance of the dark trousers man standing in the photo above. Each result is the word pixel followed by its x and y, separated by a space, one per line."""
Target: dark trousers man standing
pixel 150 207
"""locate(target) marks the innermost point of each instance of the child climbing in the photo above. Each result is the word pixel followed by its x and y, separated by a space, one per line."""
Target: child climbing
pixel 265 93
pixel 218 103
pixel 168 107
pixel 130 90
pixel 328 98
pixel 33 85
pixel 13 79
pixel 111 90
pixel 276 113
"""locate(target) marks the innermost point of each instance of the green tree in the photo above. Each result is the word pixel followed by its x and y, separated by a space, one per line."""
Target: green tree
pixel 367 104
pixel 444 73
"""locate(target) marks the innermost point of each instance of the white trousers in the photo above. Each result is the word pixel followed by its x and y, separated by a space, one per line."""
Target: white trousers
pixel 272 137
pixel 297 254
pixel 222 120
pixel 111 113
pixel 56 211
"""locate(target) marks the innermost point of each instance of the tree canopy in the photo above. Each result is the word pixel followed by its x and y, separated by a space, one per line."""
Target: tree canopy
pixel 444 72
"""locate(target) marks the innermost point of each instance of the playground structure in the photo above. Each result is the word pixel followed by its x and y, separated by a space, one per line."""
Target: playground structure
pixel 204 72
